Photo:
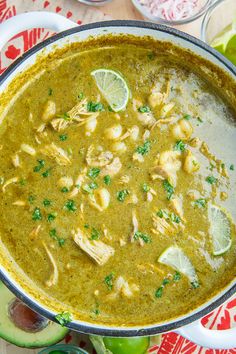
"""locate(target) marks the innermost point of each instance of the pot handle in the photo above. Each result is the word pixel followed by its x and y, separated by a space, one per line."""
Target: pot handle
pixel 35 19
pixel 214 339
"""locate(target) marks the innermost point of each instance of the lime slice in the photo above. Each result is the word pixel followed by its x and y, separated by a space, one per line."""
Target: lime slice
pixel 177 259
pixel 221 41
pixel 220 229
pixel 113 87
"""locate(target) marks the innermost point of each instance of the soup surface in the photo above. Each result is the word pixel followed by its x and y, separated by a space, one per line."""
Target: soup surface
pixel 91 198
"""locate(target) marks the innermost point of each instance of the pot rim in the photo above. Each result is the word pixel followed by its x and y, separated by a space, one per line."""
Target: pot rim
pixel 102 329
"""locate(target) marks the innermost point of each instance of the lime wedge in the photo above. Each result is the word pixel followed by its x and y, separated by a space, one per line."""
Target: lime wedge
pixel 113 87
pixel 220 229
pixel 221 41
pixel 177 259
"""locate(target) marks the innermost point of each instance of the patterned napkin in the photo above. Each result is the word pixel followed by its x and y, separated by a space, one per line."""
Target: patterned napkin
pixel 222 318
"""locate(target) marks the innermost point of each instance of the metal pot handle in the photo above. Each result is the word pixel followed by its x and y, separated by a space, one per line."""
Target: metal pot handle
pixel 197 333
pixel 36 19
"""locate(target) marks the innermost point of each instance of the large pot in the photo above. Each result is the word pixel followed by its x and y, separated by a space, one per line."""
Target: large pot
pixel 189 325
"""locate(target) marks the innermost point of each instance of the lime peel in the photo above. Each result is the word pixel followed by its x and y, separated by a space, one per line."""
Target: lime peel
pixel 175 257
pixel 220 229
pixel 113 87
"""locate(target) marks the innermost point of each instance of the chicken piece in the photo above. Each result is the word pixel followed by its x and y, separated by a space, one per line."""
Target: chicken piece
pixel 135 227
pixel 169 163
pixel 112 169
pixel 191 164
pixel 53 280
pixel 65 182
pixel 8 182
pixel 156 98
pixel 138 157
pixel 114 132
pixel 166 109
pixel 98 158
pixel 60 124
pixel 15 160
pixel 176 204
pixel 162 226
pixel 97 250
pixel 182 130
pixel 146 118
pixel 28 149
pixel 56 153
pixel 123 288
pixel 49 111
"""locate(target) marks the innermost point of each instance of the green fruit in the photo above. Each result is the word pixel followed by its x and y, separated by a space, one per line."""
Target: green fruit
pixel 138 345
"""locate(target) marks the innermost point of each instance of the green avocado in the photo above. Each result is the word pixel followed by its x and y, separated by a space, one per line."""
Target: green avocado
pixel 49 335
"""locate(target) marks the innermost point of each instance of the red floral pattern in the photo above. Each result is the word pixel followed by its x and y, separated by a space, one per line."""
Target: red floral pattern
pixel 222 318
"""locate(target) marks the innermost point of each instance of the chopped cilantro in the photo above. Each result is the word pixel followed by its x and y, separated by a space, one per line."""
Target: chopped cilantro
pixel 107 180
pixel 94 107
pixel 51 217
pixel 65 190
pixel 86 226
pixel 180 146
pixel 199 119
pixel 144 109
pixel 176 276
pixel 145 187
pixel 95 234
pixel 109 281
pixel 46 173
pixel 187 116
pixel 162 214
pixel 80 95
pixel 37 214
pixel 211 179
pixel 110 109
pixel 145 148
pixel 22 182
pixel 165 282
pixel 47 202
pixel 96 312
pixel 175 218
pixel 168 188
pixel 63 318
pixel 200 203
pixel 231 167
pixel 64 116
pixel 87 189
pixel 50 91
pixel 211 166
pixel 94 172
pixel 54 236
pixel 146 238
pixel 195 284
pixel 70 205
pixel 159 292
pixel 151 56
pixel 41 164
pixel 63 137
pixel 31 198
pixel 93 185
pixel 121 195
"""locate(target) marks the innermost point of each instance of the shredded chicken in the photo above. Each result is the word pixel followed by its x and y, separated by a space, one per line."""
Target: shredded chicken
pixel 123 288
pixel 16 160
pixel 138 157
pixel 158 98
pixel 8 182
pixel 124 179
pixel 34 233
pixel 135 229
pixel 168 163
pixel 19 203
pixel 55 274
pixel 146 119
pixel 149 268
pixel 56 153
pixel 98 159
pixel 28 149
pixel 97 250
pixel 112 169
pixel 78 114
pixel 204 149
pixel 165 227
pixel 176 204
pixel 65 182
pixel 49 111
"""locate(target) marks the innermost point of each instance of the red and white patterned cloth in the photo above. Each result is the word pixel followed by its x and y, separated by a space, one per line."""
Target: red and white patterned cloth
pixel 222 318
